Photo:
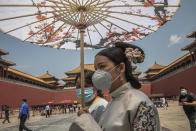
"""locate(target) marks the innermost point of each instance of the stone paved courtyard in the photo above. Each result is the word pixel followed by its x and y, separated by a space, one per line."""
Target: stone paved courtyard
pixel 172 119
pixel 53 123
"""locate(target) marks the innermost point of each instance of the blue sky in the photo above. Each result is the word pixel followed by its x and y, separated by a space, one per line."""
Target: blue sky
pixel 163 46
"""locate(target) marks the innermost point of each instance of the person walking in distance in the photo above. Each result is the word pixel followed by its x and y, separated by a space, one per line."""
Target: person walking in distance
pixel 47 111
pixel 23 115
pixel 163 100
pixel 6 114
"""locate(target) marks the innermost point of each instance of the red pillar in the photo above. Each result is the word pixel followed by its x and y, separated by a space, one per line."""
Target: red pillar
pixel 6 72
pixel 1 116
pixel 3 72
pixel 192 55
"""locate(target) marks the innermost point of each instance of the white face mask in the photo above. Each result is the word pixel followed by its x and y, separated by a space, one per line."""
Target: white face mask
pixel 103 80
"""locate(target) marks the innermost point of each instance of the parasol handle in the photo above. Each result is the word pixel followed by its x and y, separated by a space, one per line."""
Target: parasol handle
pixel 82 65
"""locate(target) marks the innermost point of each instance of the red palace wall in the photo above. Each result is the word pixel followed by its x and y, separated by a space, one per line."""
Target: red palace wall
pixel 170 86
pixel 65 95
pixel 12 94
pixel 146 88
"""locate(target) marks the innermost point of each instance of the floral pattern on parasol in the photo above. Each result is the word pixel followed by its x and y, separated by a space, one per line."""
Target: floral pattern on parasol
pixel 56 23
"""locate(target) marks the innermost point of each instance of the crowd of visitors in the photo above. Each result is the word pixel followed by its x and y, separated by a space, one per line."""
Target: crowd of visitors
pixel 160 102
pixel 43 110
pixel 55 108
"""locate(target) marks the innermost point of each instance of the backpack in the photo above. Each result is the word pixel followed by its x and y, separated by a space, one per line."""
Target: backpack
pixel 191 97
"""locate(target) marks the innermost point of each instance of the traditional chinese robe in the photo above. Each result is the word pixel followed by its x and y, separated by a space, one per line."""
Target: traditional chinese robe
pixel 130 110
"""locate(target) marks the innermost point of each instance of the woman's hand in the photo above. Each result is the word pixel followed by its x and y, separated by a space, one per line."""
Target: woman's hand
pixel 83 111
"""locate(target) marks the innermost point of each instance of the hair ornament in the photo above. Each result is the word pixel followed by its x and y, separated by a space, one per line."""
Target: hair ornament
pixel 132 53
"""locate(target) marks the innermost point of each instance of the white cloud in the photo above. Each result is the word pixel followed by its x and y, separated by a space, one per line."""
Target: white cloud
pixel 174 39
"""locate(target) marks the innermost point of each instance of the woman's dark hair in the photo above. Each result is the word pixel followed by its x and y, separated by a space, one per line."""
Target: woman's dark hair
pixel 24 99
pixel 117 55
pixel 99 93
pixel 182 87
pixel 87 77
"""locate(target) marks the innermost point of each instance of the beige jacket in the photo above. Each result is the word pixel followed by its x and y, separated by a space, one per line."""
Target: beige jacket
pixel 129 110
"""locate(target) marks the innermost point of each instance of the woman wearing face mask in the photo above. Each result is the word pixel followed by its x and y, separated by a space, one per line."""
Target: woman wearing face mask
pixel 93 98
pixel 130 109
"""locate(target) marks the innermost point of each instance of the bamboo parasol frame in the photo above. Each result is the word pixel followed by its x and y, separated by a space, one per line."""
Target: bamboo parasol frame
pixel 85 15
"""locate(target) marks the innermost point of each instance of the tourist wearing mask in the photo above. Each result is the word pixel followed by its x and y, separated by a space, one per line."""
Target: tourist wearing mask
pixel 93 98
pixel 187 100
pixel 130 109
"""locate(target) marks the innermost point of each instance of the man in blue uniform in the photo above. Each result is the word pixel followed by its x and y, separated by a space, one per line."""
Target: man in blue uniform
pixel 23 115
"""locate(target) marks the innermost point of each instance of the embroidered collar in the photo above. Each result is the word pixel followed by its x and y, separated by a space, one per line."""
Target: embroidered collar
pixel 120 90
